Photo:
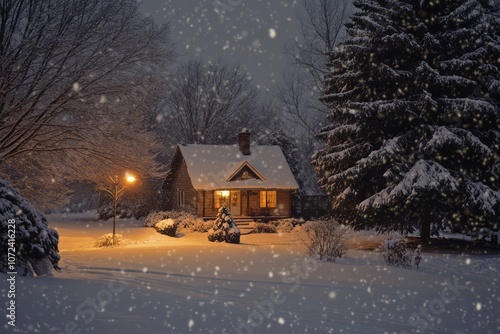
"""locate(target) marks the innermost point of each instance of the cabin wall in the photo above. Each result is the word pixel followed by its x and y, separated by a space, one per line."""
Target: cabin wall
pixel 249 198
pixel 206 204
pixel 284 203
pixel 181 181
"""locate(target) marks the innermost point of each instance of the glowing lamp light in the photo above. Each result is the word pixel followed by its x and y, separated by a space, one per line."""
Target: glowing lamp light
pixel 130 178
pixel 225 193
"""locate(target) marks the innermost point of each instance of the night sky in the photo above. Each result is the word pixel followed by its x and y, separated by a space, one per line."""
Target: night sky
pixel 251 33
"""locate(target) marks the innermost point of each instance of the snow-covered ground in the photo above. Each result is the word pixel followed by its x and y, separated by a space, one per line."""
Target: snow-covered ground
pixel 157 284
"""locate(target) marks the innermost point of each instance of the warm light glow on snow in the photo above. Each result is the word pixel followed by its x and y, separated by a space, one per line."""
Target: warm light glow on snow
pixel 148 273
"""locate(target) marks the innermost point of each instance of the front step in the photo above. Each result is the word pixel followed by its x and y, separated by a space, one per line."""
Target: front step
pixel 247 220
pixel 244 225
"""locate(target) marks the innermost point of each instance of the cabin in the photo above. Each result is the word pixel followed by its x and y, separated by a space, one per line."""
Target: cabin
pixel 252 181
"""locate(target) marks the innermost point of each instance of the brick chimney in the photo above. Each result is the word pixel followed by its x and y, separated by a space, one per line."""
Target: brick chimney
pixel 244 141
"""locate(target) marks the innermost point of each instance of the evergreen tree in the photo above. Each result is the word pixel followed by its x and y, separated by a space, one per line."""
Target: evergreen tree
pixel 290 151
pixel 413 135
pixel 225 228
pixel 29 245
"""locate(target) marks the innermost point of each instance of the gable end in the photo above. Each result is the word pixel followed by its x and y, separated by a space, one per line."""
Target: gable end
pixel 245 172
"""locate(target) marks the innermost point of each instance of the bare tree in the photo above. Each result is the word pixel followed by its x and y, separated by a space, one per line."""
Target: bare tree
pixel 298 96
pixel 73 76
pixel 299 103
pixel 209 102
pixel 321 26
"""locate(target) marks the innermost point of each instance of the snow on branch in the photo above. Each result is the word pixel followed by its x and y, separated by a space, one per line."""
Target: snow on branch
pixel 389 148
pixel 424 175
pixel 459 137
pixel 343 131
pixel 471 105
pixel 482 196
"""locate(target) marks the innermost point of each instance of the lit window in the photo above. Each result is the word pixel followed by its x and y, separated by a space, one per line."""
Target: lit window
pixel 268 199
pixel 220 198
pixel 180 198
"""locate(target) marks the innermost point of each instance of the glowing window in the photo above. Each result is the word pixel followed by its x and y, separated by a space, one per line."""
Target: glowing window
pixel 268 199
pixel 221 197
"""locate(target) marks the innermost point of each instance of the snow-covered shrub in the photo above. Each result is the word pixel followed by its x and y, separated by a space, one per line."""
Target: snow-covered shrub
pixel 106 212
pixel 225 228
pixel 325 239
pixel 184 220
pixel 398 252
pixel 264 228
pixel 167 227
pixel 36 244
pixel 106 240
pixel 295 221
pixel 199 225
pixel 284 226
pixel 287 225
pixel 155 217
pixel 191 222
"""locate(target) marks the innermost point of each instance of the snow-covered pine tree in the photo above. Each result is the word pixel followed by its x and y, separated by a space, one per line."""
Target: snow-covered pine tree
pixel 225 228
pixel 413 135
pixel 491 49
pixel 34 248
pixel 490 80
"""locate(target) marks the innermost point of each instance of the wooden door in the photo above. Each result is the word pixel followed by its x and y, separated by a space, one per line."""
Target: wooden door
pixel 235 203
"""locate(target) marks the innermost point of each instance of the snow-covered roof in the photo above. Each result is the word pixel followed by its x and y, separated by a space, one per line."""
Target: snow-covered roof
pixel 212 167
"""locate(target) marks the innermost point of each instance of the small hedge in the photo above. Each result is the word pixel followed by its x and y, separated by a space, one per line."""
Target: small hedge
pixel 184 220
pixel 284 226
pixel 158 216
pixel 167 227
pixel 264 228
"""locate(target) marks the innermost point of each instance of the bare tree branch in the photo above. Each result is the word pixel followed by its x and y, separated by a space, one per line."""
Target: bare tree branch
pixel 321 29
pixel 75 77
pixel 210 102
pixel 298 97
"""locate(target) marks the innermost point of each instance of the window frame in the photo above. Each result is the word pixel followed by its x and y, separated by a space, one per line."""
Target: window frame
pixel 220 199
pixel 181 198
pixel 270 197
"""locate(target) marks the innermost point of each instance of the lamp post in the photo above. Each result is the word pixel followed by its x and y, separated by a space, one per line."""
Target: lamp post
pixel 116 191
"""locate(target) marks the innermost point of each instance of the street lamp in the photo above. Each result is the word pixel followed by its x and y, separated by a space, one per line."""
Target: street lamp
pixel 116 191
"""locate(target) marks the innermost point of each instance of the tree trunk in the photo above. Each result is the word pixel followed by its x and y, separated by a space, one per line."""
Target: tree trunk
pixel 425 226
